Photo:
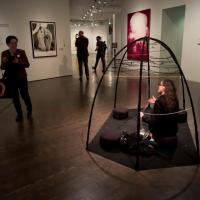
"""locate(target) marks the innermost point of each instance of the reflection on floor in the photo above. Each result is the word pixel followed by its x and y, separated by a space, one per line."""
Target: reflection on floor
pixel 45 158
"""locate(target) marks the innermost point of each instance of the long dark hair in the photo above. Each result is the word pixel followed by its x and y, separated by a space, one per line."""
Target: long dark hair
pixel 170 95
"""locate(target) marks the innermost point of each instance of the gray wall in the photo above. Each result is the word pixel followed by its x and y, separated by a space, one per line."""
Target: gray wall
pixel 172 29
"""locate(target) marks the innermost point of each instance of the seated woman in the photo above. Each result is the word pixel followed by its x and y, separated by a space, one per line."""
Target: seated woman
pixel 163 127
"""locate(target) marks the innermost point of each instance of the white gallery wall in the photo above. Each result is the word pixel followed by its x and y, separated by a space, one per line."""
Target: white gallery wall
pixel 90 32
pixel 15 17
pixel 190 61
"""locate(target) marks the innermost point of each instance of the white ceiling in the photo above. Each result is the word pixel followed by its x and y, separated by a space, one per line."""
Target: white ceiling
pixel 78 9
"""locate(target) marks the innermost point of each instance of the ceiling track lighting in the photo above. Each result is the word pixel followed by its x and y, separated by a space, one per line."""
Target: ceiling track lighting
pixel 96 7
pixel 86 23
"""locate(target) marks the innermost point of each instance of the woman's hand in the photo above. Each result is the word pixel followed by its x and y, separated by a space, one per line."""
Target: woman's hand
pixel 141 114
pixel 152 100
pixel 16 60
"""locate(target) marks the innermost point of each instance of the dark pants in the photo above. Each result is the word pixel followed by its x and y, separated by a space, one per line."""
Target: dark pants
pixel 98 56
pixel 81 61
pixel 21 85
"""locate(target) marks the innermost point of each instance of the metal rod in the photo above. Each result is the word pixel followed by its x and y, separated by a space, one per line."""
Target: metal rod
pixel 137 165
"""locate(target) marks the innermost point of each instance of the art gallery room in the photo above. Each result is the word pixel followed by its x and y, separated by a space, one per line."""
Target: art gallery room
pixel 99 99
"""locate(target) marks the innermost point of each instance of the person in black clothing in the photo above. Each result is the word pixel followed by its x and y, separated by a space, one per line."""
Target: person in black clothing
pixel 14 61
pixel 163 126
pixel 101 50
pixel 82 54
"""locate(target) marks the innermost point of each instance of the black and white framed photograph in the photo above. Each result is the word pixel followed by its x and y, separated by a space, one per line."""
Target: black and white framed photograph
pixel 43 35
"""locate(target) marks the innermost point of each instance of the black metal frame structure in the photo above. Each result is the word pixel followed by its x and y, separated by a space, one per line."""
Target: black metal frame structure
pixel 183 80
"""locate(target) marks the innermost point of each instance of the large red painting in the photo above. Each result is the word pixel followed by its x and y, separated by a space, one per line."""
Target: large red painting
pixel 138 26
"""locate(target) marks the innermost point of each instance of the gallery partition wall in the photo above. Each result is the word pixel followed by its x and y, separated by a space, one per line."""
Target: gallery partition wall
pixel 173 28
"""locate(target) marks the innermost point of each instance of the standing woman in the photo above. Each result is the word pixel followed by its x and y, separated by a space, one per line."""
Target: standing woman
pixel 163 126
pixel 14 61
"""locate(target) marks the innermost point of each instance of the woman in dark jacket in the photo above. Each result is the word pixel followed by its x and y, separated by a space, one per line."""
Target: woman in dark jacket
pixel 162 121
pixel 14 61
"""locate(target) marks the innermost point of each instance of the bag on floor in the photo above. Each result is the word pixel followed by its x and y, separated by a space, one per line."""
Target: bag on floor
pixel 128 144
pixel 5 89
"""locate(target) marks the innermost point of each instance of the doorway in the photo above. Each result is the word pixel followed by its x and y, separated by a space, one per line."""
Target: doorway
pixel 173 28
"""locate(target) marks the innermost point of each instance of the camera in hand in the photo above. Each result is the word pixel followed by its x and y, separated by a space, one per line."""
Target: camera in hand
pixel 76 36
pixel 11 57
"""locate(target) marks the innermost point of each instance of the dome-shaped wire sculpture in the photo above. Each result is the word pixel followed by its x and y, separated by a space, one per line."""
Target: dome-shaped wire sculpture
pixel 159 64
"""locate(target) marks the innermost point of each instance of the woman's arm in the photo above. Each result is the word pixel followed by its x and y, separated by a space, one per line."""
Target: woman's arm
pixel 156 110
pixel 21 59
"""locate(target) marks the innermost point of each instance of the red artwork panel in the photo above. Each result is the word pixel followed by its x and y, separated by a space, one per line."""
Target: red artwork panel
pixel 138 26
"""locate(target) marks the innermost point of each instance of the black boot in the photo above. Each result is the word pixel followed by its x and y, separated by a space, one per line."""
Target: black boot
pixel 19 117
pixel 29 114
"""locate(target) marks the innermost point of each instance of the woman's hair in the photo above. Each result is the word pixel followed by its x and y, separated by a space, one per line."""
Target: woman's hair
pixel 170 94
pixel 10 37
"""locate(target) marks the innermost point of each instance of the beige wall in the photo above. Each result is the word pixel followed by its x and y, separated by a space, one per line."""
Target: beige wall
pixel 17 14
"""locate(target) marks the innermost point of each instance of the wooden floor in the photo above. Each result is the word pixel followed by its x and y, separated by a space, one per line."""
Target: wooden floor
pixel 45 158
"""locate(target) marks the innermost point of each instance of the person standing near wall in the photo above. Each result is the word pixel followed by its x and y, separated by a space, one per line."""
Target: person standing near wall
pixel 14 61
pixel 101 50
pixel 82 54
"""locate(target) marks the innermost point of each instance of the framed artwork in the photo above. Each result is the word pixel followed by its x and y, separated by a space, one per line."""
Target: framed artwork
pixel 43 36
pixel 138 26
